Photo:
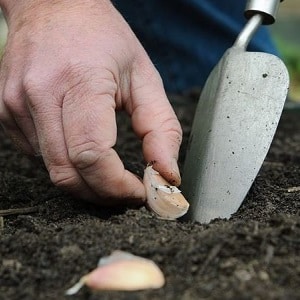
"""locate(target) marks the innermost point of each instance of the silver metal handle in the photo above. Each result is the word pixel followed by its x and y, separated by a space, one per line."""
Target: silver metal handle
pixel 257 12
pixel 248 31
pixel 267 8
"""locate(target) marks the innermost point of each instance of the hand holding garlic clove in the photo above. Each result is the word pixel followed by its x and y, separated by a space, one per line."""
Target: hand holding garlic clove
pixel 165 200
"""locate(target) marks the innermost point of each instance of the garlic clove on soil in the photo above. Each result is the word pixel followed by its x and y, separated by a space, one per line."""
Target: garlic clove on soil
pixel 162 198
pixel 122 271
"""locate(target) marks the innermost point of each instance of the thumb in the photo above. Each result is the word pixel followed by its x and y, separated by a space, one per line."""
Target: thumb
pixel 155 122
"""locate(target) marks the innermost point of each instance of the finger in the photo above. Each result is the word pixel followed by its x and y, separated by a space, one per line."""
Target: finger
pixel 47 116
pixel 13 132
pixel 154 120
pixel 10 93
pixel 15 104
pixel 9 124
pixel 90 132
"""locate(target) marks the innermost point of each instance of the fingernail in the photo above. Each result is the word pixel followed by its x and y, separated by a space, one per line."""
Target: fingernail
pixel 176 172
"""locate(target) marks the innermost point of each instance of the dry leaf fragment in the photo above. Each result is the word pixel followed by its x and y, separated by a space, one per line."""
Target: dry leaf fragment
pixel 122 271
pixel 162 198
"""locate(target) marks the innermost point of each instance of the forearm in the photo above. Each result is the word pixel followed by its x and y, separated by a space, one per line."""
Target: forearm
pixel 22 11
pixel 14 7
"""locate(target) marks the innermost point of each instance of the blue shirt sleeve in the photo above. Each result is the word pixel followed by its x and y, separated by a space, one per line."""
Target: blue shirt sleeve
pixel 186 38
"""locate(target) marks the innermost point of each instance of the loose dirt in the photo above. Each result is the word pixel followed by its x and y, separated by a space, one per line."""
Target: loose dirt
pixel 254 255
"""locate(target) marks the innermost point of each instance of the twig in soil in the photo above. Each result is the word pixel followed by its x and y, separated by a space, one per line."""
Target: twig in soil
pixel 211 255
pixel 269 254
pixel 255 231
pixel 273 163
pixel 1 223
pixel 294 189
pixel 18 211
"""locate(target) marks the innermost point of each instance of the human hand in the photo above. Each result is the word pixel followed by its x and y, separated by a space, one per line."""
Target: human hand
pixel 68 65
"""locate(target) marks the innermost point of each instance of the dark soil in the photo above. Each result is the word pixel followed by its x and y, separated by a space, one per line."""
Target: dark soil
pixel 255 255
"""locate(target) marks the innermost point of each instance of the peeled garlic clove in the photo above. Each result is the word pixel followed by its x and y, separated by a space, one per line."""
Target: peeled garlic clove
pixel 162 198
pixel 122 271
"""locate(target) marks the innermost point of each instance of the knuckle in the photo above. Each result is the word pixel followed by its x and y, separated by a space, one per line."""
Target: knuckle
pixel 173 127
pixel 37 87
pixel 33 83
pixel 177 137
pixel 84 155
pixel 63 177
pixel 36 90
pixel 10 96
pixel 177 131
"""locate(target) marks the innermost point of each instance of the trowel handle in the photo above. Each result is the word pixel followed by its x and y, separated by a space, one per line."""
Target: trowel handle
pixel 267 8
pixel 257 12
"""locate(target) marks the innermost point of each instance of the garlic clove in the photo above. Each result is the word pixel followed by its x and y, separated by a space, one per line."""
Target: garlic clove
pixel 122 271
pixel 115 256
pixel 76 287
pixel 126 274
pixel 162 198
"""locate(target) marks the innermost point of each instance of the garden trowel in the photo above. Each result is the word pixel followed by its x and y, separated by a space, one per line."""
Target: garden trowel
pixel 235 121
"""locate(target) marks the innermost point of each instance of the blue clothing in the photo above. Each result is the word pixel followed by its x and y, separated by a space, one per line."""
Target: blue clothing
pixel 186 38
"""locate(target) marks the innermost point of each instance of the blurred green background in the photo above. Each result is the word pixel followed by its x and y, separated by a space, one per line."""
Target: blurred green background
pixel 284 31
pixel 287 38
pixel 3 32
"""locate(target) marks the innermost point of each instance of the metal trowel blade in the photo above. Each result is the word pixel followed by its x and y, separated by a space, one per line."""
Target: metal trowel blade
pixel 234 125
